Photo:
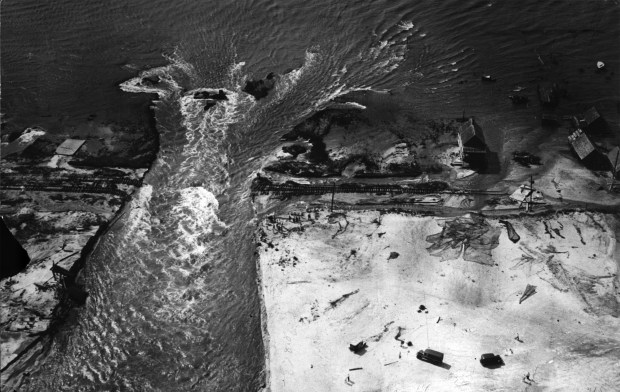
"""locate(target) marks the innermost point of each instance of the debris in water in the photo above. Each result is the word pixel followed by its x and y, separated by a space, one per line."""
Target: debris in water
pixel 519 99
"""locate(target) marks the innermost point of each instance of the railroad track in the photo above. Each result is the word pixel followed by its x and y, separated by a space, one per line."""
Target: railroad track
pixel 68 184
pixel 419 189
pixel 12 179
pixel 65 189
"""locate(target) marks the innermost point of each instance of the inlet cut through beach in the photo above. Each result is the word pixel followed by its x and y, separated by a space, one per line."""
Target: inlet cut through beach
pixel 310 196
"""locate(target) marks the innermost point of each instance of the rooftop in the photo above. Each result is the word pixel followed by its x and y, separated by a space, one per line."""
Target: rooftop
pixel 581 143
pixel 470 130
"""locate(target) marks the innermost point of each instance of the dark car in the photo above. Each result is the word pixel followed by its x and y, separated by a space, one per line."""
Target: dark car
pixel 431 356
pixel 491 360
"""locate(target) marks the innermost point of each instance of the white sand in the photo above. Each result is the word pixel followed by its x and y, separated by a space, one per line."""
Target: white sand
pixel 570 341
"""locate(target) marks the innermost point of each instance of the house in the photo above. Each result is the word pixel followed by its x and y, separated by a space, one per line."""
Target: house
pixel 589 155
pixel 581 144
pixel 593 122
pixel 472 146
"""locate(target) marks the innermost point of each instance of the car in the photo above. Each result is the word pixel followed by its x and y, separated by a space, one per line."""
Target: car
pixel 491 360
pixel 432 356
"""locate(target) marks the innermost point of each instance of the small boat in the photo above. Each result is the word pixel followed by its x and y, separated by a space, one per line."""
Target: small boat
pixel 488 78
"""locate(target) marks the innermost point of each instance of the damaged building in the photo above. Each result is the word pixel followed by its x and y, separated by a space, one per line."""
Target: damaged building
pixel 593 122
pixel 588 154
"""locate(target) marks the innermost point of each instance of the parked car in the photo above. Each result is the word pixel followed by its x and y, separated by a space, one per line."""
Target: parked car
pixel 432 356
pixel 491 360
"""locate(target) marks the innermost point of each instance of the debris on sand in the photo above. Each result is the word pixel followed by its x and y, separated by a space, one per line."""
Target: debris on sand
pixel 526 159
pixel 338 301
pixel 529 291
pixel 359 348
pixel 397 337
pixel 472 236
pixel 512 234
pixel 393 255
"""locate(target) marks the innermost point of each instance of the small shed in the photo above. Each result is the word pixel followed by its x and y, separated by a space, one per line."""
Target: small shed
pixel 69 146
pixel 581 144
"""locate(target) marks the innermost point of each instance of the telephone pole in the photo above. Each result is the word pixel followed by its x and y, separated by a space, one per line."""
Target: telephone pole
pixel 614 172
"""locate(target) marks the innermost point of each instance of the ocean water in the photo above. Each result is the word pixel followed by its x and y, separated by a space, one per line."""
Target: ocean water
pixel 174 303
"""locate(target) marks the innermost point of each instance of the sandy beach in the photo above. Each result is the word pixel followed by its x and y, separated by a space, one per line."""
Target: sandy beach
pixel 329 280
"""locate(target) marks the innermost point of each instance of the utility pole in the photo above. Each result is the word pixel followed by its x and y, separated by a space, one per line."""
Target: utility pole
pixel 613 172
pixel 333 193
pixel 531 189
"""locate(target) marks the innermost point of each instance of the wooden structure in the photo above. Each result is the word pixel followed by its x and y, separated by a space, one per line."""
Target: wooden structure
pixel 69 147
pixel 526 195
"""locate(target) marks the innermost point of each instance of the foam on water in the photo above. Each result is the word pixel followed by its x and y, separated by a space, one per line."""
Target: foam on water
pixel 286 82
pixel 196 216
pixel 206 132
pixel 139 220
